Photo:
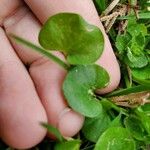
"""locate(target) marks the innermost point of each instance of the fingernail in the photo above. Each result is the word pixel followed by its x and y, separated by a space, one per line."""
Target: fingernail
pixel 70 122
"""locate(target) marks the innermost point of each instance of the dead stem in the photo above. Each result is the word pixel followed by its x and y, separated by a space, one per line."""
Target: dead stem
pixel 110 19
pixel 111 7
pixel 113 11
pixel 132 100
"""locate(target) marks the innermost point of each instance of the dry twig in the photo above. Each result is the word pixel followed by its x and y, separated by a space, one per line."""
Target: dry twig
pixel 110 19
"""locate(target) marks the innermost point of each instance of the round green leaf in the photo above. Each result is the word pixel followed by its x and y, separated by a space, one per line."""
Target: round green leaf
pixel 82 43
pixel 134 29
pixel 135 61
pixel 94 127
pixel 115 138
pixel 79 86
pixel 141 75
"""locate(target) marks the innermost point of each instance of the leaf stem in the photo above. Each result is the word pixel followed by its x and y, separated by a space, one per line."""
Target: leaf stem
pixel 41 50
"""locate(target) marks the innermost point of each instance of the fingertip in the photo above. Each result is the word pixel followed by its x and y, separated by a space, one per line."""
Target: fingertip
pixel 70 123
pixel 109 61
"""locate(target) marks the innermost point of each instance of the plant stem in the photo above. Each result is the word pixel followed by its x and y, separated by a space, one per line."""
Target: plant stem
pixel 110 7
pixel 41 50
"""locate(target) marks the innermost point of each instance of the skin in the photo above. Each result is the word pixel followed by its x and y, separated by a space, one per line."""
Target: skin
pixel 37 94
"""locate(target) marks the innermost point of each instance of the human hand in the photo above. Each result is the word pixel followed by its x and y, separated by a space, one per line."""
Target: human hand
pixel 28 97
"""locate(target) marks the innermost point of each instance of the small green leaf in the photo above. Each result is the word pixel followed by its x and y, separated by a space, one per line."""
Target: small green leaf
pixel 135 61
pixel 135 29
pixel 79 86
pixel 146 108
pixel 145 119
pixel 141 75
pixel 115 138
pixel 82 43
pixel 122 42
pixel 53 130
pixel 116 122
pixel 142 15
pixel 68 145
pixel 108 105
pixel 139 40
pixel 94 127
pixel 40 50
pixel 134 125
pixel 135 89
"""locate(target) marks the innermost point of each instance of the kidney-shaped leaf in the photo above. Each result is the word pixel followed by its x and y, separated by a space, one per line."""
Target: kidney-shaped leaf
pixel 115 138
pixel 82 43
pixel 79 86
pixel 94 127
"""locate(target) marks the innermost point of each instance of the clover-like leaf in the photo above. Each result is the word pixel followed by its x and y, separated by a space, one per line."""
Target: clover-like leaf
pixel 79 86
pixel 122 41
pixel 115 138
pixel 141 75
pixel 135 61
pixel 82 43
pixel 134 29
pixel 94 127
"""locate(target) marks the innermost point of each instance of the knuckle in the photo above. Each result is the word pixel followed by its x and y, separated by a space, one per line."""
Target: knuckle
pixel 8 7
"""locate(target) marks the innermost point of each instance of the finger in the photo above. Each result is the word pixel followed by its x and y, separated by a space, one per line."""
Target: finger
pixel 50 89
pixel 19 124
pixel 85 8
pixel 6 9
pixel 47 76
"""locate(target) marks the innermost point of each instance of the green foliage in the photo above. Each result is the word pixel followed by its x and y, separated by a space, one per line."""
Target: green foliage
pixel 131 46
pixel 82 43
pixel 100 124
pixel 94 127
pixel 142 15
pixel 134 89
pixel 115 138
pixel 79 86
pixel 133 49
pixel 101 5
pixel 53 130
pixel 68 145
pixel 145 119
pixel 134 125
pixel 142 75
